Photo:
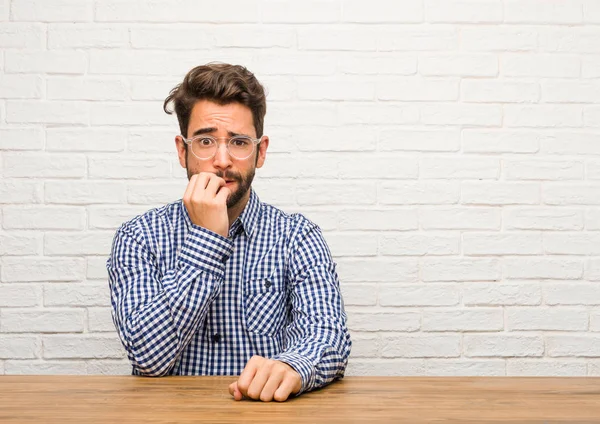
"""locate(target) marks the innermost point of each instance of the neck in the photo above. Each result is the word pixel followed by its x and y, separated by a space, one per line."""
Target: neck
pixel 236 210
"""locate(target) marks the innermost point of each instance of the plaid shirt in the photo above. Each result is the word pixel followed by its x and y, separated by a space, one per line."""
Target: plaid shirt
pixel 187 301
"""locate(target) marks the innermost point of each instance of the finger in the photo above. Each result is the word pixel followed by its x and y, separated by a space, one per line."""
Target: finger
pixel 223 195
pixel 259 381
pixel 271 386
pixel 200 186
pixel 234 391
pixel 214 184
pixel 285 389
pixel 246 376
pixel 190 188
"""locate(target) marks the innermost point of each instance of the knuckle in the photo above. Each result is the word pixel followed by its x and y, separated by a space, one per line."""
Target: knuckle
pixel 265 397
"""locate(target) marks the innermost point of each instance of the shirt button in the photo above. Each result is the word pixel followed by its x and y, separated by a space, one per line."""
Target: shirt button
pixel 267 283
pixel 216 337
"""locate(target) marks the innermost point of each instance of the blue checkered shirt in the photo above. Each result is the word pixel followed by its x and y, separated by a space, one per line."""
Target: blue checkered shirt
pixel 187 301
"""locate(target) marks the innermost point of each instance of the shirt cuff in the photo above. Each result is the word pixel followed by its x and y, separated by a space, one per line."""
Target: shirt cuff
pixel 206 250
pixel 302 366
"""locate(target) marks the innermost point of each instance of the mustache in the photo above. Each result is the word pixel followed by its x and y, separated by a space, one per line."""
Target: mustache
pixel 229 175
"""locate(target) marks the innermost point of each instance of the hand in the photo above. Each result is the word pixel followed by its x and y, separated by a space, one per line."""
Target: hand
pixel 205 199
pixel 266 379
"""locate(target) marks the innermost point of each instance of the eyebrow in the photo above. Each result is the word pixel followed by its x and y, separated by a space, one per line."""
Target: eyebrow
pixel 209 130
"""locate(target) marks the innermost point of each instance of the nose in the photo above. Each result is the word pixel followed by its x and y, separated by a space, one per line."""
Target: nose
pixel 222 160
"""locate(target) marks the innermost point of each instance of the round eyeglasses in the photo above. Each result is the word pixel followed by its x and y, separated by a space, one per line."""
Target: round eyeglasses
pixel 205 146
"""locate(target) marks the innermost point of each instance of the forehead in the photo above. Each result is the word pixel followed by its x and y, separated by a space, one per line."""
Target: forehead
pixel 234 117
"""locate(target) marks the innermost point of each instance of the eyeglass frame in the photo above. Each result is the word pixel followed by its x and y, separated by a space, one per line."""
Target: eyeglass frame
pixel 189 141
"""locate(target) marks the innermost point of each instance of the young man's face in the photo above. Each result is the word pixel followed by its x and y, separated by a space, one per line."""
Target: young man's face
pixel 209 118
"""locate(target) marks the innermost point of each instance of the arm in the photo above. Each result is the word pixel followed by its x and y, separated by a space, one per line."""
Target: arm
pixel 157 315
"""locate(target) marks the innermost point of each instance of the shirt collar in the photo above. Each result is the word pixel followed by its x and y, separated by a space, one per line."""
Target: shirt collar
pixel 248 219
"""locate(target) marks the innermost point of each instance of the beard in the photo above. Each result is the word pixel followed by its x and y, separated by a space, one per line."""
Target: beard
pixel 244 182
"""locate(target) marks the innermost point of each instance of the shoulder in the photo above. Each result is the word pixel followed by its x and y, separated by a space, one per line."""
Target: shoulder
pixel 157 220
pixel 294 225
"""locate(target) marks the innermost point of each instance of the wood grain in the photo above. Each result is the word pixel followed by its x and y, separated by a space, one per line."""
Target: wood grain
pixel 129 399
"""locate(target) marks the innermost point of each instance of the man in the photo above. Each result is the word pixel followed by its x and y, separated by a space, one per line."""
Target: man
pixel 219 283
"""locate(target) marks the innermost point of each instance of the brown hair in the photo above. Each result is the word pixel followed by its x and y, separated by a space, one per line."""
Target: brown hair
pixel 223 84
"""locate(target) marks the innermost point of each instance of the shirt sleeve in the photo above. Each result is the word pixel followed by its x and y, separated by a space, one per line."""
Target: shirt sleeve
pixel 318 341
pixel 156 312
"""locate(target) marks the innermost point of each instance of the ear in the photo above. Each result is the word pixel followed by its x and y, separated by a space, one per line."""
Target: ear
pixel 181 151
pixel 262 151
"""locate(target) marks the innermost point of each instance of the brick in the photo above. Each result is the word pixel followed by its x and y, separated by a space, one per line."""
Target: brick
pixel 20 295
pixel 460 269
pixel 166 37
pixel 307 113
pixel 499 91
pixel 542 268
pixel 417 89
pixel 409 193
pixel 376 64
pixel 591 116
pixel 177 11
pixel 421 346
pixel 338 39
pixel 418 295
pixel 388 367
pixel 401 139
pixel 543 11
pixel 46 112
pixel 111 217
pixel 284 165
pixel 43 165
pixel 366 346
pixel 399 321
pixel 591 11
pixel 377 270
pixel 387 114
pixel 460 368
pixel 155 193
pixel 570 91
pixel 546 319
pixel 373 219
pixel 278 193
pixel 391 244
pixel 100 320
pixel 128 168
pixel 540 65
pixel 151 89
pixel 19 191
pixel 590 66
pixel 52 11
pixel 19 347
pixel 244 36
pixel 137 113
pixel 21 139
pixel 359 294
pixel 25 367
pixel 592 219
pixel 593 170
pixel 463 11
pixel 572 294
pixel 96 266
pixel 501 294
pixel 86 139
pixel 19 244
pixel 83 346
pixel 497 38
pixel 500 141
pixel 500 193
pixel 326 220
pixel 480 345
pixel 41 321
pixel 543 170
pixel 295 64
pixel 344 244
pixel 46 62
pixel 537 368
pixel 463 65
pixel 279 89
pixel 572 243
pixel 572 346
pixel 21 86
pixel 594 321
pixel 460 218
pixel 21 36
pixel 571 194
pixel 479 244
pixel 85 36
pixel 69 244
pixel 42 269
pixel 87 294
pixel 84 192
pixel 44 217
pixel 382 167
pixel 108 367
pixel 543 116
pixel 552 219
pixel 459 168
pixel 140 62
pixel 311 11
pixel 418 40
pixel 480 319
pixel 461 114
pixel 335 89
pixel 326 193
pixel 152 141
pixel 382 11
pixel 59 88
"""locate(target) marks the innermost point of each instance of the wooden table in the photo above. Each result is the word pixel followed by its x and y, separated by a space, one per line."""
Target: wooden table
pixel 128 399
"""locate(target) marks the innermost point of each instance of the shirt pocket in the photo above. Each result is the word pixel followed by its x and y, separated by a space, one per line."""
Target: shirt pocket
pixel 265 303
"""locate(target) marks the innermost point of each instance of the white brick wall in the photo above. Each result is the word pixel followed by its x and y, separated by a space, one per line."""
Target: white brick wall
pixel 449 149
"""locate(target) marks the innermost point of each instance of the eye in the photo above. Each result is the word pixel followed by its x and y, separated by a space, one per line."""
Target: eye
pixel 205 141
pixel 240 141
